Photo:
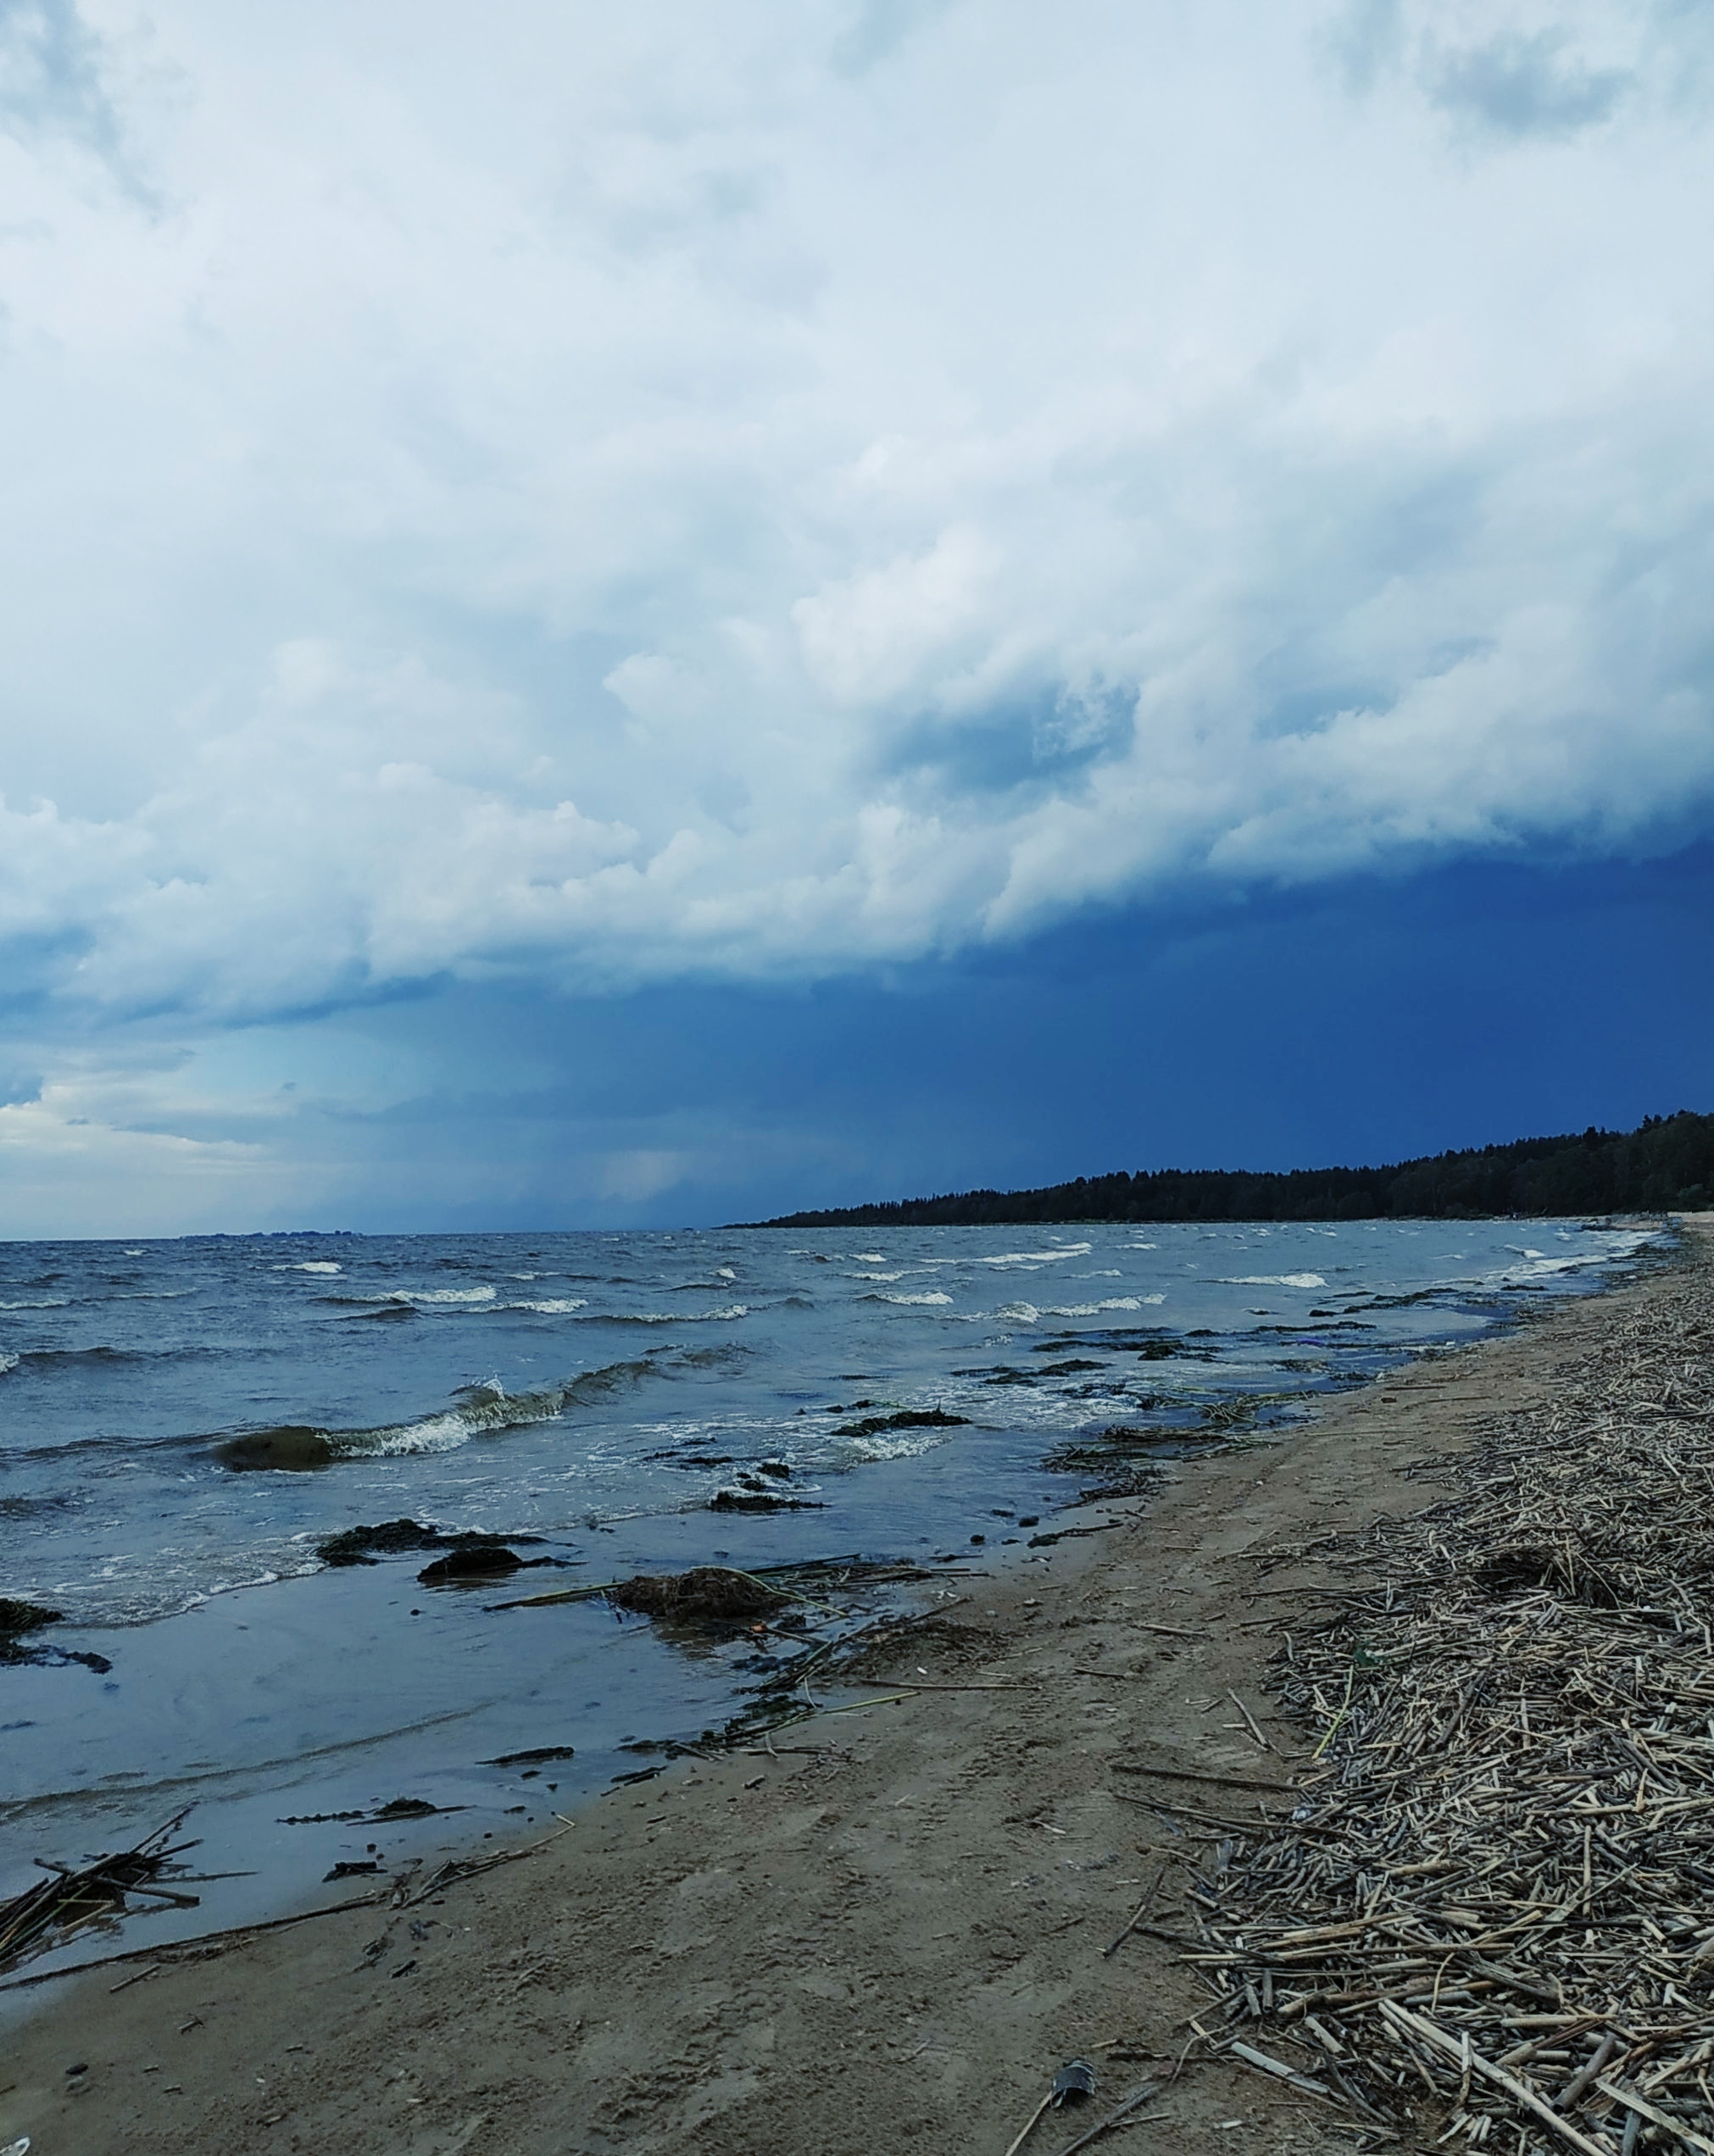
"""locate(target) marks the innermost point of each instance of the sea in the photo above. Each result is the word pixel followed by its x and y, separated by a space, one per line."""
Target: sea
pixel 185 1423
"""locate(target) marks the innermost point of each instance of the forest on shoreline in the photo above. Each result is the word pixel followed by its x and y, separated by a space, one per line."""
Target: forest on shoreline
pixel 1666 1165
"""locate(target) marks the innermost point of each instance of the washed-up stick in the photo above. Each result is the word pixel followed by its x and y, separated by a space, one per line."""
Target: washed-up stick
pixel 1116 2117
pixel 1030 2125
pixel 186 1946
pixel 1143 1909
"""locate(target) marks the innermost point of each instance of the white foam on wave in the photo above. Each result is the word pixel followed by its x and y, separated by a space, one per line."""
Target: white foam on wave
pixel 558 1306
pixel 8 1363
pixel 449 1296
pixel 312 1265
pixel 40 1303
pixel 1039 1257
pixel 931 1296
pixel 1098 1310
pixel 1018 1313
pixel 900 1445
pixel 724 1272
pixel 868 1258
pixel 725 1315
pixel 1276 1279
pixel 873 1280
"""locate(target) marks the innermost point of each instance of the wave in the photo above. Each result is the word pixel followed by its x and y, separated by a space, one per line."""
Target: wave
pixel 311 1265
pixel 1095 1310
pixel 933 1297
pixel 43 1303
pixel 295 1446
pixel 1039 1257
pixel 725 1315
pixel 8 1363
pixel 1275 1280
pixel 558 1306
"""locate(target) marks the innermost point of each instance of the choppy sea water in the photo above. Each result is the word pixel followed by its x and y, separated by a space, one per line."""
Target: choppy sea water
pixel 597 1392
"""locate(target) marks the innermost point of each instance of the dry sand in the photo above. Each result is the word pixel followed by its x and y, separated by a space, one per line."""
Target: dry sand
pixel 890 1939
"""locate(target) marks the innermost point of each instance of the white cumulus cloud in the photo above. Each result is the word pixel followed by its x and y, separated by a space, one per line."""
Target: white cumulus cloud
pixel 611 496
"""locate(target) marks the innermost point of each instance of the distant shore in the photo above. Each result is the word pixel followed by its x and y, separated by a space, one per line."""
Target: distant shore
pixel 1666 1164
pixel 887 1929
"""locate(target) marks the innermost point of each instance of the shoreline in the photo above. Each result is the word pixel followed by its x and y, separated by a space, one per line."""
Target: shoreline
pixel 902 1909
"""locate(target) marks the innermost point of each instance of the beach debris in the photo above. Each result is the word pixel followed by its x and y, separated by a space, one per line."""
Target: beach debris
pixel 20 1620
pixel 19 2147
pixel 1143 1909
pixel 394 1537
pixel 399 1808
pixel 1074 2083
pixel 67 1900
pixel 759 1500
pixel 477 1559
pixel 538 1756
pixel 903 1419
pixel 361 1868
pixel 1491 1887
pixel 706 1594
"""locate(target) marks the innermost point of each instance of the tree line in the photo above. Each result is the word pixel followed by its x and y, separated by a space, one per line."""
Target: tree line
pixel 1666 1165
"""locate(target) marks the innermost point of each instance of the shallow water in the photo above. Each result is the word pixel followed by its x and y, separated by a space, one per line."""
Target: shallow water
pixel 597 1392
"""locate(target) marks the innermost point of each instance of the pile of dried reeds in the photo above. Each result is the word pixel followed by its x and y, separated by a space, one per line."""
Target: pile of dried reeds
pixel 67 1900
pixel 1495 1892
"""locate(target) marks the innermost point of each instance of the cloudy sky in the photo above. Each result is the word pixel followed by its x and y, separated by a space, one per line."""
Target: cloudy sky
pixel 653 613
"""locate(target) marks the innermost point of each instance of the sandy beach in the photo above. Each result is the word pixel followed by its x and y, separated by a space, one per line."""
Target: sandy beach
pixel 887 1929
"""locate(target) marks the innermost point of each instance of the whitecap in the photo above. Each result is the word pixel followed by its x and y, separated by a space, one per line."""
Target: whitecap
pixel 868 1258
pixel 904 1445
pixel 1276 1280
pixel 933 1297
pixel 875 1280
pixel 1018 1313
pixel 724 1272
pixel 43 1303
pixel 440 1295
pixel 8 1363
pixel 1039 1257
pixel 725 1314
pixel 315 1266
pixel 1097 1310
pixel 554 1307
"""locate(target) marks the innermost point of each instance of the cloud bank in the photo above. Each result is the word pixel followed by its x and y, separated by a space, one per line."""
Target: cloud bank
pixel 592 501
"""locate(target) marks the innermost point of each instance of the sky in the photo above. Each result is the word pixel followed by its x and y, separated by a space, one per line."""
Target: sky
pixel 656 615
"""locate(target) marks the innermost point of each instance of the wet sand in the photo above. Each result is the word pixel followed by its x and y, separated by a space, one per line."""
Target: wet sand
pixel 887 1932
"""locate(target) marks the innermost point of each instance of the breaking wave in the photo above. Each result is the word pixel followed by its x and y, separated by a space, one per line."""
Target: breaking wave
pixel 483 1409
pixel 1276 1279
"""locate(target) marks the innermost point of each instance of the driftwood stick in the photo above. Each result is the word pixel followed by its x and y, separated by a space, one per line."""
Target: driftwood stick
pixel 1143 1909
pixel 184 1946
pixel 1030 2124
pixel 1134 2101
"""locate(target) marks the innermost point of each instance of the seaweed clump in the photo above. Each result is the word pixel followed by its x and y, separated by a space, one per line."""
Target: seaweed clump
pixel 392 1537
pixel 706 1594
pixel 906 1419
